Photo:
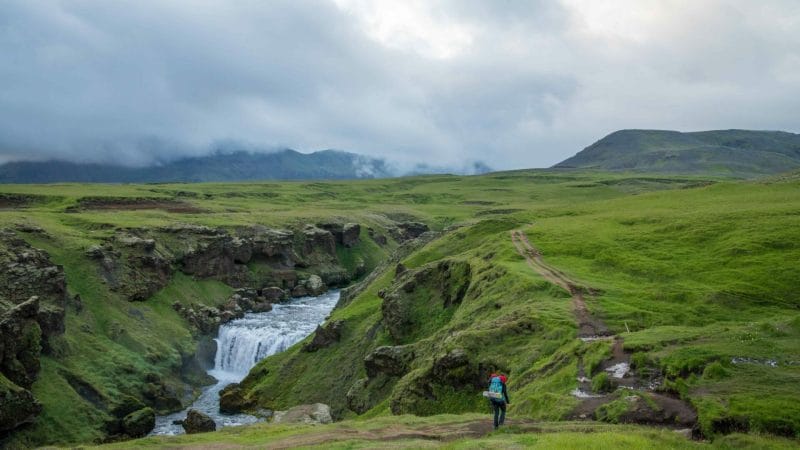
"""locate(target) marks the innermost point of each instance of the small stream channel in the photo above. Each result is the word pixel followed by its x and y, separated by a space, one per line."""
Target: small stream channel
pixel 241 343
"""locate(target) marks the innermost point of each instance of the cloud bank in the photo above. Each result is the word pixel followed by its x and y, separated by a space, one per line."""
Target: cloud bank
pixel 511 83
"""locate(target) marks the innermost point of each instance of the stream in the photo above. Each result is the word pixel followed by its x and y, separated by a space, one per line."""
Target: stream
pixel 241 343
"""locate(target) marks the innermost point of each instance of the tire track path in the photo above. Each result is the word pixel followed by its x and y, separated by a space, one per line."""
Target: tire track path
pixel 668 409
pixel 588 326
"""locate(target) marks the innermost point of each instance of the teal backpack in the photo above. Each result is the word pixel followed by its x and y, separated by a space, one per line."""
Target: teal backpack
pixel 496 388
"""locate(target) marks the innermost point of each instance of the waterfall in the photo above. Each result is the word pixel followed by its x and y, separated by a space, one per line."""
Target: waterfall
pixel 241 343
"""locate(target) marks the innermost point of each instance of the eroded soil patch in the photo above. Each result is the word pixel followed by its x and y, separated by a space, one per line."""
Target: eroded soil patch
pixel 135 204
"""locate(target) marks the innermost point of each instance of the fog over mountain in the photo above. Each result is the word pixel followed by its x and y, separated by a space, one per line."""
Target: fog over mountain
pixel 438 83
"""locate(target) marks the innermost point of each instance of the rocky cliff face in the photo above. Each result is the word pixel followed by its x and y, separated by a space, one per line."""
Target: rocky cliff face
pixel 138 262
pixel 32 300
pixel 265 265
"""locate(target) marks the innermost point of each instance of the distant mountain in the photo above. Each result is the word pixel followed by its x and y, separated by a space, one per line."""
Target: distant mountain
pixel 236 166
pixel 740 153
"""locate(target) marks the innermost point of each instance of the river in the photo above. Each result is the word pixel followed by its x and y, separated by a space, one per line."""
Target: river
pixel 241 343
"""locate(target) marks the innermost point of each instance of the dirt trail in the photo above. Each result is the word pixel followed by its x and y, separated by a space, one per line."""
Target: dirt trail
pixel 588 326
pixel 654 407
pixel 444 432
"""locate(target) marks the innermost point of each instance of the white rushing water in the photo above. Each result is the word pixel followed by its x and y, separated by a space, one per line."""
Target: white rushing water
pixel 241 343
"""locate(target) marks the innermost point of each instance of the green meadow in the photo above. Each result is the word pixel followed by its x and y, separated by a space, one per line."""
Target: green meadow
pixel 699 275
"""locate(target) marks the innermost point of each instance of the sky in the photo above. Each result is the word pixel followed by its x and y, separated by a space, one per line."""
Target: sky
pixel 514 84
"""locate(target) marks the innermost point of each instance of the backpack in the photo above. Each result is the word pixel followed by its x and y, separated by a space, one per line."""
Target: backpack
pixel 496 388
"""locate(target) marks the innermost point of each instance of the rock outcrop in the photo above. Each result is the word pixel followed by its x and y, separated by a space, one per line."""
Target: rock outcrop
pixel 325 336
pixel 346 234
pixel 350 234
pixel 197 422
pixel 139 423
pixel 132 265
pixel 405 231
pixel 317 413
pixel 389 360
pixel 232 400
pixel 33 299
pixel 207 319
pixel 17 406
pixel 406 305
pixel 138 262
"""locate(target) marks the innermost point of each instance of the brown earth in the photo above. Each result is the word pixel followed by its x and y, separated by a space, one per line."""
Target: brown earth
pixel 588 326
pixel 14 201
pixel 134 204
pixel 439 433
pixel 645 406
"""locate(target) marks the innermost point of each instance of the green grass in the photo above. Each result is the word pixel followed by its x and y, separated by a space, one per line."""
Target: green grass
pixel 700 273
pixel 374 432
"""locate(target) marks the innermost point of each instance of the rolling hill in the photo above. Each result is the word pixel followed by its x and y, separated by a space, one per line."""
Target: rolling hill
pixel 738 153
pixel 236 166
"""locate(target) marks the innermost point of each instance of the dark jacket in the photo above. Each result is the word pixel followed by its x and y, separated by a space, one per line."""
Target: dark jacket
pixel 505 394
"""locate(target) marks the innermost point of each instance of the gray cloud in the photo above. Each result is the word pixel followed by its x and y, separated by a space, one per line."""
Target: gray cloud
pixel 512 83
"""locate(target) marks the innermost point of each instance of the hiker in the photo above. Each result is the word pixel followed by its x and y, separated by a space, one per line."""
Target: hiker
pixel 498 397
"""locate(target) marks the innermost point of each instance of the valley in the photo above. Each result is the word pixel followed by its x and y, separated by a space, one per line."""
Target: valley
pixel 551 276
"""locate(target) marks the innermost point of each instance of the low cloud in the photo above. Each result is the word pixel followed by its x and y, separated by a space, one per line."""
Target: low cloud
pixel 443 83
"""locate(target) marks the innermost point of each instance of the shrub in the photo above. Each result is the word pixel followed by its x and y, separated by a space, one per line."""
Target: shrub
pixel 602 383
pixel 715 371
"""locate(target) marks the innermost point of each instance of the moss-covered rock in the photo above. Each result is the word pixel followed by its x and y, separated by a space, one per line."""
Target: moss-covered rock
pixel 232 399
pixel 197 422
pixel 423 300
pixel 325 336
pixel 17 406
pixel 389 360
pixel 139 423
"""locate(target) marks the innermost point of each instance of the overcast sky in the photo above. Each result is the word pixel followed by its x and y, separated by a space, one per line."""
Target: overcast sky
pixel 512 83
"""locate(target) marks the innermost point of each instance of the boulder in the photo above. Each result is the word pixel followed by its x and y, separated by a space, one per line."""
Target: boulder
pixel 317 413
pixel 197 422
pixel 325 336
pixel 315 286
pixel 299 291
pixel 262 306
pixel 126 405
pixel 95 252
pixel 389 360
pixel 139 423
pixel 232 401
pixel 350 234
pixel 357 397
pixel 273 294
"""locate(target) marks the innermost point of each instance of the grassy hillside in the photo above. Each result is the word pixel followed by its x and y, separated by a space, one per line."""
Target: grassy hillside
pixel 699 270
pixel 702 278
pixel 738 153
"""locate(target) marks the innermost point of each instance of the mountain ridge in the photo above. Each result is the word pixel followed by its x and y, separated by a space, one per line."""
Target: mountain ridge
pixel 733 152
pixel 240 165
